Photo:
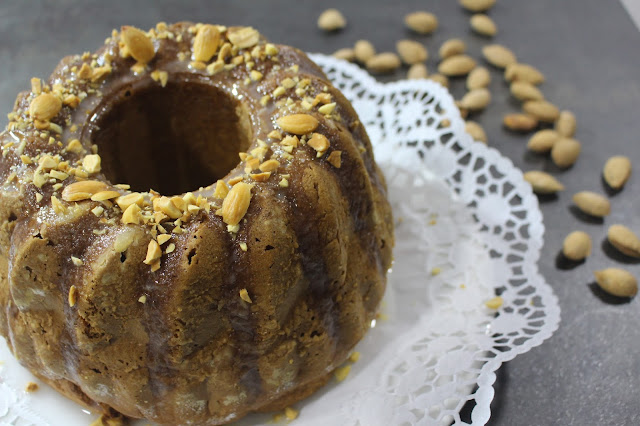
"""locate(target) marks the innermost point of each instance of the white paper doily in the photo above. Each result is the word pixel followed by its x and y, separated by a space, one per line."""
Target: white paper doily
pixel 467 226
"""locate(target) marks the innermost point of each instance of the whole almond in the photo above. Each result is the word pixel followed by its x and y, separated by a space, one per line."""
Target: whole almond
pixel 543 183
pixel 523 72
pixel 364 51
pixel 476 100
pixel 498 55
pixel 456 66
pixel 452 47
pixel 417 71
pixel 483 25
pixel 592 203
pixel 477 5
pixel 565 152
pixel 236 203
pixel 421 22
pixel 617 282
pixel 347 53
pixel 205 43
pixel 617 171
pixel 383 62
pixel 44 107
pixel 543 140
pixel 524 91
pixel 624 239
pixel 331 20
pixel 478 78
pixel 138 43
pixel 542 110
pixel 439 78
pixel 577 245
pixel 82 190
pixel 476 131
pixel 411 52
pixel 566 124
pixel 298 124
pixel 520 122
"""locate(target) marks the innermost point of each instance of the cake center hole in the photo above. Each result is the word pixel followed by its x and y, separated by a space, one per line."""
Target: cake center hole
pixel 171 139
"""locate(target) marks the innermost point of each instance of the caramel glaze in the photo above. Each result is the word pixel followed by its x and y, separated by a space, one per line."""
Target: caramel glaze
pixel 195 353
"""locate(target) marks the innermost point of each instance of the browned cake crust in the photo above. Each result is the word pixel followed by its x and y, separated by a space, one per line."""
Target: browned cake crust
pixel 198 308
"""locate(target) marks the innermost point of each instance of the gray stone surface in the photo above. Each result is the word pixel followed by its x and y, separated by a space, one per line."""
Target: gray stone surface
pixel 589 371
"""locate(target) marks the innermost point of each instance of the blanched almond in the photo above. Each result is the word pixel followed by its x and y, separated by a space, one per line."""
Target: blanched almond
pixel 421 22
pixel 383 62
pixel 577 245
pixel 543 140
pixel 523 72
pixel 298 124
pixel 458 65
pixel 347 53
pixel 417 71
pixel 617 282
pixel 565 152
pixel 498 55
pixel 542 110
pixel 439 78
pixel 520 122
pixel 452 47
pixel 566 124
pixel 331 20
pixel 476 131
pixel 236 203
pixel 483 25
pixel 592 203
pixel 478 78
pixel 364 50
pixel 411 52
pixel 138 43
pixel 524 91
pixel 477 5
pixel 476 100
pixel 543 183
pixel 206 43
pixel 617 171
pixel 624 239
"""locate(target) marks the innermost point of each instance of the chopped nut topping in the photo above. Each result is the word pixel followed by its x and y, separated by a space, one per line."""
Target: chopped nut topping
pixel 126 200
pixel 221 190
pixel 170 248
pixel 269 166
pixel 76 261
pixel 256 75
pixel 335 159
pixel 206 43
pixel 160 76
pixel 163 238
pixel 243 246
pixel 244 295
pixel 100 72
pixel 291 413
pixel 274 134
pixel 31 387
pixel 44 107
pixel 260 177
pixel 73 296
pixel 166 206
pixel 92 163
pixel 132 215
pixel 284 183
pixel 236 203
pixel 298 124
pixel 97 211
pixel 327 109
pixel 142 299
pixel 36 86
pixel 138 44
pixel 243 38
pixel 104 195
pixel 341 373
pixel 82 190
pixel 153 252
pixel 85 71
pixel 319 142
pixel 75 147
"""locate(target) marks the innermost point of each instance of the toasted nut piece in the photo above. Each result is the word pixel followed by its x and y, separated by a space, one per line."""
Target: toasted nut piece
pixel 123 241
pixel 82 190
pixel 335 159
pixel 73 296
pixel 298 124
pixel 483 25
pixel 347 53
pixel 105 195
pixel 154 252
pixel 44 107
pixel 498 55
pixel 520 122
pixel 617 171
pixel 205 43
pixel 543 183
pixel 236 203
pixel 260 177
pixel 269 166
pixel 166 206
pixel 411 52
pixel 523 72
pixel 383 62
pixel 138 44
pixel 478 78
pixel 477 5
pixel 132 215
pixel 331 20
pixel 476 131
pixel 542 110
pixel 244 37
pixel 421 22
pixel 625 240
pixel 439 78
pixel 577 246
pixel 126 200
pixel 524 91
pixel 543 140
pixel 476 100
pixel 565 152
pixel 244 295
pixel 592 203
pixel 617 282
pixel 92 163
pixel 417 71
pixel 319 142
pixel 222 189
pixel 458 65
pixel 364 50
pixel 566 124
pixel 452 47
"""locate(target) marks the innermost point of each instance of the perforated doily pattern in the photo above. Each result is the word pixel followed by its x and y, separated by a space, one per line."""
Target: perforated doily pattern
pixel 467 227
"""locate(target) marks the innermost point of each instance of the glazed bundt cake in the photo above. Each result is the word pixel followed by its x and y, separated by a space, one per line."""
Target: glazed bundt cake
pixel 193 226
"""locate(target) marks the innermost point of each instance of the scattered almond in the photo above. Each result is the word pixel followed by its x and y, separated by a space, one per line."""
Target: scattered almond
pixel 457 65
pixel 411 52
pixel 364 50
pixel 82 190
pixel 520 122
pixel 439 78
pixel 577 246
pixel 565 152
pixel 478 78
pixel 298 124
pixel 383 63
pixel 617 171
pixel 452 47
pixel 523 72
pixel 417 71
pixel 92 163
pixel 73 296
pixel 206 43
pixel 335 159
pixel 138 43
pixel 44 107
pixel 347 53
pixel 625 240
pixel 542 141
pixel 331 20
pixel 236 203
pixel 477 5
pixel 154 252
pixel 592 203
pixel 543 183
pixel 476 131
pixel 244 295
pixel 524 91
pixel 544 111
pixel 421 22
pixel 498 55
pixel 617 282
pixel 483 25
pixel 319 142
pixel 476 100
pixel 566 124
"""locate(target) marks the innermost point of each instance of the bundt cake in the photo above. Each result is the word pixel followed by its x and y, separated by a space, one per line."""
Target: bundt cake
pixel 240 294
